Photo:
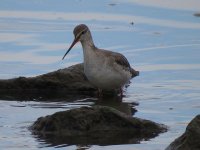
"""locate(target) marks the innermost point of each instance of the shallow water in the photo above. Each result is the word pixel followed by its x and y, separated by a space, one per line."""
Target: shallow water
pixel 160 39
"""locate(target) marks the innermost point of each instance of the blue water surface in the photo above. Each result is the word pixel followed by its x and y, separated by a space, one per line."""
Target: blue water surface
pixel 161 41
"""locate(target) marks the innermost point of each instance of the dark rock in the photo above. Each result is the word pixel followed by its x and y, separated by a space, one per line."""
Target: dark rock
pixel 68 81
pixel 71 78
pixel 94 125
pixel 190 140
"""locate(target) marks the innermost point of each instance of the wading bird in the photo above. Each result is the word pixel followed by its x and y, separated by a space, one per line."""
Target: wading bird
pixel 105 69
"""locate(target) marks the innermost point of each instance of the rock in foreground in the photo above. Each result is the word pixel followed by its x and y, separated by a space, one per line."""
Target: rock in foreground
pixel 94 125
pixel 190 140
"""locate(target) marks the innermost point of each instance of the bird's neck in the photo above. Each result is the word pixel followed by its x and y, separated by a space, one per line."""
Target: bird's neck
pixel 88 45
pixel 88 48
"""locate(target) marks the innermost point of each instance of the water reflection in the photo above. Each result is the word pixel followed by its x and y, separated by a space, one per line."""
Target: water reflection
pixel 43 95
pixel 83 147
pixel 117 103
pixel 63 100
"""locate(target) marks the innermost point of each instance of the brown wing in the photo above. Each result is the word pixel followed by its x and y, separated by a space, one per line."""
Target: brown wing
pixel 118 58
pixel 122 61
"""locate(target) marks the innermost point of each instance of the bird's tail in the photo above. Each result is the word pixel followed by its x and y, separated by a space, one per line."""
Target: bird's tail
pixel 134 73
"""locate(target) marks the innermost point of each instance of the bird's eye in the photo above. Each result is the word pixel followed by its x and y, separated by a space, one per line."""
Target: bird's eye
pixel 83 32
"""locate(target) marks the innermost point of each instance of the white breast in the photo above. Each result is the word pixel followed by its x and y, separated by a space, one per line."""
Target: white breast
pixel 102 74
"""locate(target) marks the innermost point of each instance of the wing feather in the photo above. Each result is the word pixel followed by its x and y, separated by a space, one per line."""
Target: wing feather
pixel 122 61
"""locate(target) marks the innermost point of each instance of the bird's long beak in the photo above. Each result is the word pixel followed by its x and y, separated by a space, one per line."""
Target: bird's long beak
pixel 73 43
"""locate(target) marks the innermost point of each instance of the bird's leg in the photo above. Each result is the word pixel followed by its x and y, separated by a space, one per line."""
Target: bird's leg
pixel 100 92
pixel 121 92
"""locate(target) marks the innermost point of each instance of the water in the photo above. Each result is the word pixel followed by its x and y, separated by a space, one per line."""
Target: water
pixel 160 39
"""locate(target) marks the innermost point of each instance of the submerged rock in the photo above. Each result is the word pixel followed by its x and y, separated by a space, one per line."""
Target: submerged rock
pixel 94 125
pixel 190 140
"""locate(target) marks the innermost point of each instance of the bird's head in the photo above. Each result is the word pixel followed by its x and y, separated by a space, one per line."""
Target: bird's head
pixel 81 32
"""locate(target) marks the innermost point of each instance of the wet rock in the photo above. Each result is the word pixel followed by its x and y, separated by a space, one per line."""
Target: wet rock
pixel 100 125
pixel 62 82
pixel 71 78
pixel 190 140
